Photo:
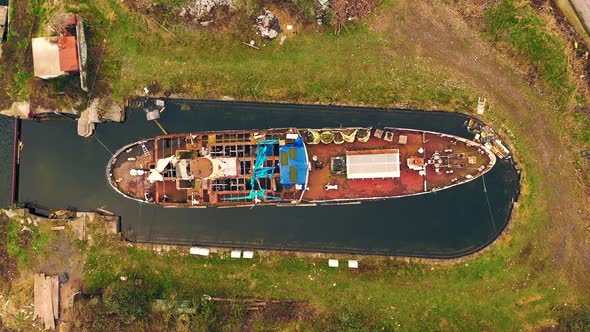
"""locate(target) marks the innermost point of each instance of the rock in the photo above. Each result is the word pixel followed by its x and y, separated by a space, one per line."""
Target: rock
pixel 18 109
pixel 10 213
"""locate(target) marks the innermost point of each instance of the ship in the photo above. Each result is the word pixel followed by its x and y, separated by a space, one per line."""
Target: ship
pixel 294 166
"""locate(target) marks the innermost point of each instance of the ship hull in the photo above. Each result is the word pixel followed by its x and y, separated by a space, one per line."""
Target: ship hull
pixel 294 167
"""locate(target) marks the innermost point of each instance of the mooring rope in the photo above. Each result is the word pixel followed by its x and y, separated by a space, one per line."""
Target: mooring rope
pixel 485 190
pixel 104 146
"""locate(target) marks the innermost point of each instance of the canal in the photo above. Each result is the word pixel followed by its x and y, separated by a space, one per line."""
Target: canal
pixel 6 158
pixel 60 169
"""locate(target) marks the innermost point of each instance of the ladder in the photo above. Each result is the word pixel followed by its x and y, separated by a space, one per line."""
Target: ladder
pixel 145 150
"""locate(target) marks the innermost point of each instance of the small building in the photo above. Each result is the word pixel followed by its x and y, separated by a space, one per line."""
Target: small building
pixel 55 56
pixel 64 54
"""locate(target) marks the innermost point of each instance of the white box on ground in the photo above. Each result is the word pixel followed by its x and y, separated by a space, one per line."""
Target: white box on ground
pixel 236 253
pixel 353 264
pixel 199 251
pixel 248 254
pixel 332 262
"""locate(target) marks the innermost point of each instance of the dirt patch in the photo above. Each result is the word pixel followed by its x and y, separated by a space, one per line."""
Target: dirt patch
pixel 7 264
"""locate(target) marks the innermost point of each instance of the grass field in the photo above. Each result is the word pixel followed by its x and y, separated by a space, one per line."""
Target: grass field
pixel 419 54
pixel 310 67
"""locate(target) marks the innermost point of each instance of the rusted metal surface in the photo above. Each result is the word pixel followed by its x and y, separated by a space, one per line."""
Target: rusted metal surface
pixel 68 54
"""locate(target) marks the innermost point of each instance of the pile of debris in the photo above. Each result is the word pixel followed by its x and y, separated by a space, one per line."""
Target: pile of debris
pixel 268 25
pixel 200 8
pixel 348 10
pixel 46 295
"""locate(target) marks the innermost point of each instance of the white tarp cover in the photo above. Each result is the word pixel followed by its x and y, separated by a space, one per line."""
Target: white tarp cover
pixel 162 163
pixel 230 166
pixel 155 176
pixel 372 166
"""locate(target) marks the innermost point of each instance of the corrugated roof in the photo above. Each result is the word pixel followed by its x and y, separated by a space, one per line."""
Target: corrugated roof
pixel 68 54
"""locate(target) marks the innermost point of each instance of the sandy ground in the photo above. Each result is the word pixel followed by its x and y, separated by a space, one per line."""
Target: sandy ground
pixel 432 30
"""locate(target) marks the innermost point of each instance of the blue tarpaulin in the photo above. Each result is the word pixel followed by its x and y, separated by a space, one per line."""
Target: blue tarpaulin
pixel 293 163
pixel 263 150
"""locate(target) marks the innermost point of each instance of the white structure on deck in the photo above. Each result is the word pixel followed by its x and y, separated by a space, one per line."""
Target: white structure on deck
pixel 373 164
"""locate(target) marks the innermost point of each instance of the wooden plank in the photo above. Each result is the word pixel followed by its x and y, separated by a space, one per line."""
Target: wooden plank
pixel 46 299
pixel 39 279
pixel 47 304
pixel 55 296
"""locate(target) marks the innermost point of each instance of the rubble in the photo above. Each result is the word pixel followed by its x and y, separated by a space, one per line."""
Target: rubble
pixel 268 25
pixel 99 110
pixel 200 8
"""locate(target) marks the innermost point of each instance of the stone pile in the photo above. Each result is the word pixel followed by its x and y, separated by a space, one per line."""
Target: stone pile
pixel 200 8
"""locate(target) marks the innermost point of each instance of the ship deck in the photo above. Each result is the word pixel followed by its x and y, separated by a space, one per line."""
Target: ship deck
pixel 465 160
pixel 410 181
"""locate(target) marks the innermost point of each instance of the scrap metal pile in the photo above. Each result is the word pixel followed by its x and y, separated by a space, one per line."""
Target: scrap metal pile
pixel 268 25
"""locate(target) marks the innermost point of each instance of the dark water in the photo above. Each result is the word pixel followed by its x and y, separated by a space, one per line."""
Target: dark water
pixel 59 169
pixel 6 151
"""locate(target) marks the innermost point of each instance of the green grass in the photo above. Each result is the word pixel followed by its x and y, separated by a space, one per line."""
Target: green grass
pixel 305 69
pixel 28 245
pixel 13 248
pixel 485 293
pixel 524 30
pixel 514 286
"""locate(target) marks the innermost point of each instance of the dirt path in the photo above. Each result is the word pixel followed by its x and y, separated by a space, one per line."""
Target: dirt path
pixel 433 30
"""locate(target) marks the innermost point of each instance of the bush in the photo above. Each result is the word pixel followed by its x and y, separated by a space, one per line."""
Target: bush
pixel 573 318
pixel 128 300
